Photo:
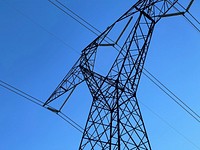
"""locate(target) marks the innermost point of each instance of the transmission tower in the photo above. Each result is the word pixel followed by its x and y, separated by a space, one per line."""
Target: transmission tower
pixel 115 121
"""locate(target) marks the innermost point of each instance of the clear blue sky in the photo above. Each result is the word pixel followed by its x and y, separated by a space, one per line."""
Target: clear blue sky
pixel 35 54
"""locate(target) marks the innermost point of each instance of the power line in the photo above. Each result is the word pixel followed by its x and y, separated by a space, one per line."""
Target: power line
pixel 186 11
pixel 73 16
pixel 20 93
pixel 42 27
pixel 169 93
pixel 81 21
pixel 40 103
pixel 168 124
pixel 30 98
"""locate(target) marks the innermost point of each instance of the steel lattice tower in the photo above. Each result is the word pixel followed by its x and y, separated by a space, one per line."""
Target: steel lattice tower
pixel 115 121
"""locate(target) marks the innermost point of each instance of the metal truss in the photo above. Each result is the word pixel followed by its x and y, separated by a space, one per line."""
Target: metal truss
pixel 115 120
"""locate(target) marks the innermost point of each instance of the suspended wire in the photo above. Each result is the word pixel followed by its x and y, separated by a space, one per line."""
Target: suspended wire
pixel 42 27
pixel 71 122
pixel 82 129
pixel 192 23
pixel 74 15
pixel 29 97
pixel 193 17
pixel 152 78
pixel 186 11
pixel 168 124
pixel 167 89
pixel 20 93
pixel 82 22
pixel 40 103
pixel 175 98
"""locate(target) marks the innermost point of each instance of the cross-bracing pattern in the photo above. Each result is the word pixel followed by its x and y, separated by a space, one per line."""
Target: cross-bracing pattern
pixel 115 121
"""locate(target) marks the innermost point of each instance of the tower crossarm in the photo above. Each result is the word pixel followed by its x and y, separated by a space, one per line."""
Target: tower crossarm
pixel 67 85
pixel 74 77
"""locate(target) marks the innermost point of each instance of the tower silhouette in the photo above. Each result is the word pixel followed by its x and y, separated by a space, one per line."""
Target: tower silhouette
pixel 115 120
